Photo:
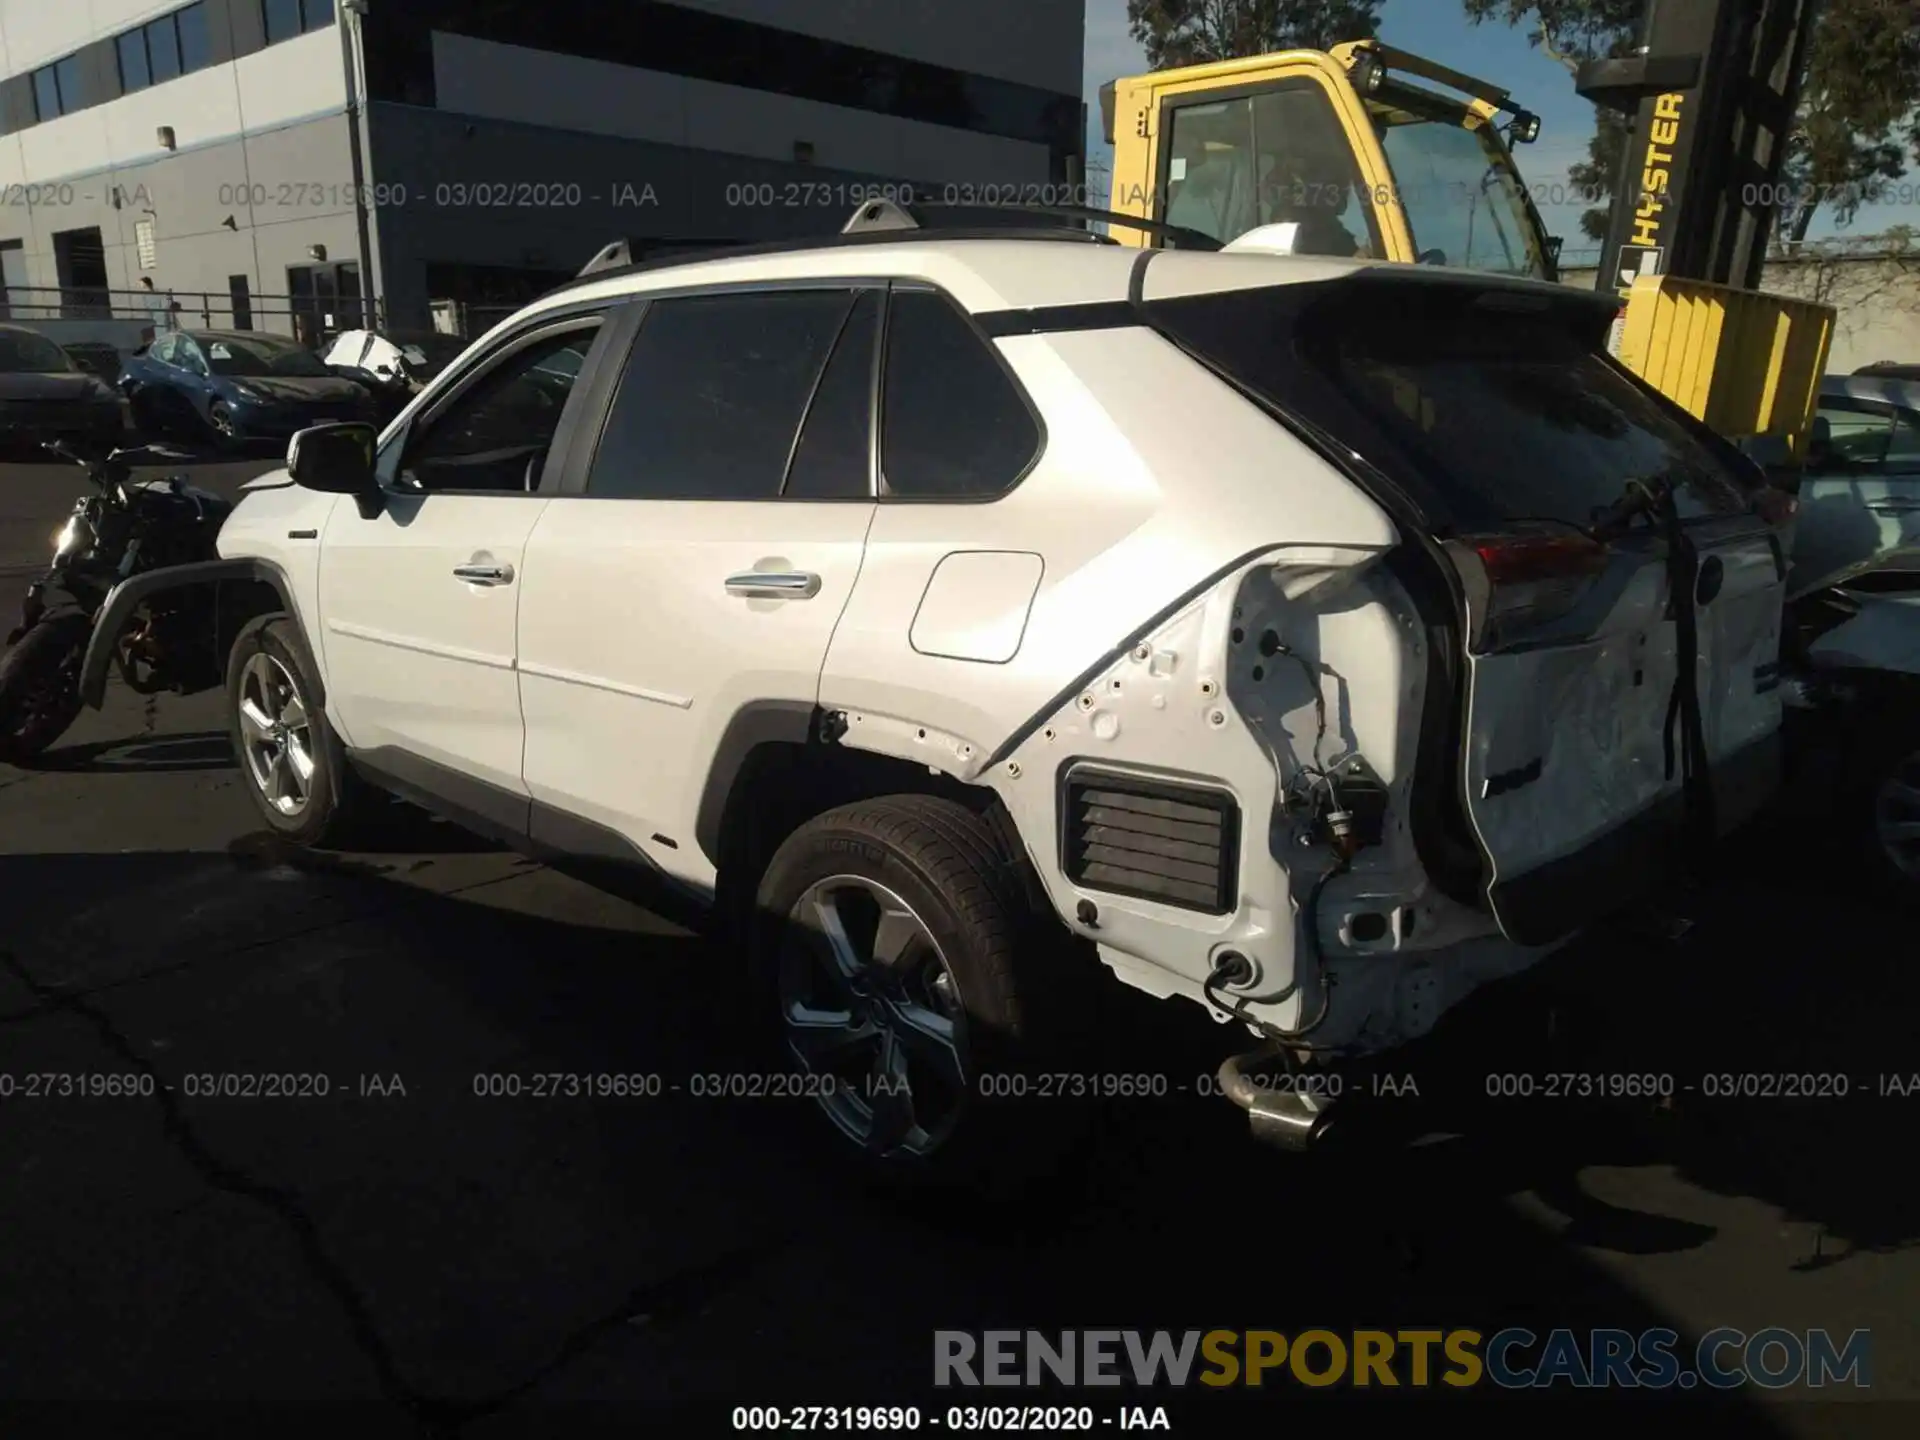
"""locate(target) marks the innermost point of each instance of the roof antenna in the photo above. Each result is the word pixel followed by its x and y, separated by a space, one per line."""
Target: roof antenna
pixel 879 215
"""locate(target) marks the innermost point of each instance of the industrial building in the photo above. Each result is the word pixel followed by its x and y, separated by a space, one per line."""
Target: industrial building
pixel 274 162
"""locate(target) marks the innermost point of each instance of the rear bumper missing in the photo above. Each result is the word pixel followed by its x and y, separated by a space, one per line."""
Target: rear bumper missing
pixel 1635 860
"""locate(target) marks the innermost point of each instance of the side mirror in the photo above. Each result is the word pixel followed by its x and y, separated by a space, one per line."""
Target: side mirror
pixel 336 459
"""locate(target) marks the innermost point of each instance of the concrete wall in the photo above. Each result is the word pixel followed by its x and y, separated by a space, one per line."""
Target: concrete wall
pixel 1034 42
pixel 262 139
pixel 1877 299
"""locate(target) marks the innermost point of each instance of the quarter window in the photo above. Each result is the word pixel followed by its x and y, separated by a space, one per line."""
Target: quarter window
pixel 953 424
pixel 713 395
pixel 495 435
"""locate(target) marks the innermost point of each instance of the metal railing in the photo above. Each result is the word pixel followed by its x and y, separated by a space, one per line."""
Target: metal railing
pixel 310 318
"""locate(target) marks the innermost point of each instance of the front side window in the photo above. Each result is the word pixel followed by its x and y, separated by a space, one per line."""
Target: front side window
pixel 1276 156
pixel 495 435
pixel 713 395
pixel 1463 202
pixel 953 424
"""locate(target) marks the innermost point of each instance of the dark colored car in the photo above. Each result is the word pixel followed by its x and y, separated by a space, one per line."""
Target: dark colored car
pixel 236 385
pixel 45 396
pixel 95 357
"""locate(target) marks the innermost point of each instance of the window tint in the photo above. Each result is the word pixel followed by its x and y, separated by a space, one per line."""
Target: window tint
pixel 46 94
pixel 1499 416
pixel 1845 438
pixel 952 422
pixel 196 51
pixel 713 394
pixel 163 48
pixel 834 459
pixel 495 435
pixel 283 19
pixel 133 60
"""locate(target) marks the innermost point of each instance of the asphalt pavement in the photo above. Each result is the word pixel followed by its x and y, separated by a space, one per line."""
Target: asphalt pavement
pixel 380 1244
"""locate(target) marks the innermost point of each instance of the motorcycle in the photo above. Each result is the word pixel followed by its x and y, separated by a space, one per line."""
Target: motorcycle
pixel 125 527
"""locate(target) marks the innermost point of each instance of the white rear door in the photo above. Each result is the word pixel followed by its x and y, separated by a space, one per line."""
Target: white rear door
pixel 702 560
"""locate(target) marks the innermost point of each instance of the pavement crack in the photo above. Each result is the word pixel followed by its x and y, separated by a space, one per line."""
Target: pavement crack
pixel 437 1415
pixel 678 1297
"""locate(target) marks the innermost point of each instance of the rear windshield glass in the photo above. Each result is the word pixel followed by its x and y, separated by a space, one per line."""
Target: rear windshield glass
pixel 1488 417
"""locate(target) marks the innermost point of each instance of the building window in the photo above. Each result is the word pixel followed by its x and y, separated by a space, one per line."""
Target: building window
pixel 164 49
pixel 56 88
pixel 288 18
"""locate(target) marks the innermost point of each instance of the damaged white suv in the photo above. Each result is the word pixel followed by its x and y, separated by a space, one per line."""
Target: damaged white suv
pixel 1314 640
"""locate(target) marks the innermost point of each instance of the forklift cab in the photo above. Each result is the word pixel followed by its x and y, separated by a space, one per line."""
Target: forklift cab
pixel 1339 150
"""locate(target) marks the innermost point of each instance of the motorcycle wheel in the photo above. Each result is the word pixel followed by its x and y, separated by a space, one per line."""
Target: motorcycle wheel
pixel 40 686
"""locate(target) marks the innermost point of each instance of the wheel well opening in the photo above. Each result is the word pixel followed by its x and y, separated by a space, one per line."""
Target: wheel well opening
pixel 238 604
pixel 781 785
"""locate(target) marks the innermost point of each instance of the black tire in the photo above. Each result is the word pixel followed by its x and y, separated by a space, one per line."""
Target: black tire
pixel 1009 967
pixel 1889 752
pixel 40 686
pixel 335 800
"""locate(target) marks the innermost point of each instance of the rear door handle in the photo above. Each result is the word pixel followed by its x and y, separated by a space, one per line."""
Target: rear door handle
pixel 774 585
pixel 484 574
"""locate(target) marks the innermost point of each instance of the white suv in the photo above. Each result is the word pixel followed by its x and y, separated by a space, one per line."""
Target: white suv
pixel 933 598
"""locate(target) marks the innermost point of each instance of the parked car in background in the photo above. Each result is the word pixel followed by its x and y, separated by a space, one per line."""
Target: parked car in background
pixel 1889 370
pixel 45 396
pixel 1860 497
pixel 95 357
pixel 391 365
pixel 235 386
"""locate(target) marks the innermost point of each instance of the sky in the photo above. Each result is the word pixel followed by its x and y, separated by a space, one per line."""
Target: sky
pixel 1438 30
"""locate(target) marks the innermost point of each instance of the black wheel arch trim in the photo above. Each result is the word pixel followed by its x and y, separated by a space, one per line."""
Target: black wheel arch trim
pixel 763 722
pixel 136 590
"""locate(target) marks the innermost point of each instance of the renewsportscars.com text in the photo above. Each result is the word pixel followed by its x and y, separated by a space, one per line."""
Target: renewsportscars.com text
pixel 1513 1358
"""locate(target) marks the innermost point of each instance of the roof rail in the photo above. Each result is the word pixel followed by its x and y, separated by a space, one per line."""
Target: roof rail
pixel 878 215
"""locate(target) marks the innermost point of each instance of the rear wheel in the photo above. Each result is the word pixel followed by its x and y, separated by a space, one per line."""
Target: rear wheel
pixel 40 686
pixel 913 994
pixel 292 764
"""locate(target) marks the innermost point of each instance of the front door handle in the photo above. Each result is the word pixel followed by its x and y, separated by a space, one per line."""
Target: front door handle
pixel 484 574
pixel 1900 506
pixel 774 585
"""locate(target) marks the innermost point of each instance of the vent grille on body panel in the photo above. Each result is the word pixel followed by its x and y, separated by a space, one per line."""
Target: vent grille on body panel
pixel 1151 839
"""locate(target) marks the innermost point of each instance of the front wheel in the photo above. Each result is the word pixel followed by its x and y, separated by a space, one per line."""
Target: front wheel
pixel 290 761
pixel 40 686
pixel 226 429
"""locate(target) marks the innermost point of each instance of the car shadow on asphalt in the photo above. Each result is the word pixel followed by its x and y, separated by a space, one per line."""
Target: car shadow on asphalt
pixel 479 1260
pixel 152 754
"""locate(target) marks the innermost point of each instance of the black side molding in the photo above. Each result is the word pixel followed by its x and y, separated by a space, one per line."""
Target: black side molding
pixel 130 594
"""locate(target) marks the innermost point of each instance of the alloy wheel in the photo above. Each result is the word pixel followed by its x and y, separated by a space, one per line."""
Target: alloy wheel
pixel 871 1011
pixel 276 734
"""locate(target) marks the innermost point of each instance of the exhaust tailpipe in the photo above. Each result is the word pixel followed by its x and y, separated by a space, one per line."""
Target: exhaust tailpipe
pixel 1291 1120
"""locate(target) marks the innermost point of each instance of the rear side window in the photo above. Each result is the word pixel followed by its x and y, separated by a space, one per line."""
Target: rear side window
pixel 710 404
pixel 1498 415
pixel 953 424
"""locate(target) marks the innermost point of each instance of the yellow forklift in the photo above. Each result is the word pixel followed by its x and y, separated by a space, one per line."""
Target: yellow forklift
pixel 1370 152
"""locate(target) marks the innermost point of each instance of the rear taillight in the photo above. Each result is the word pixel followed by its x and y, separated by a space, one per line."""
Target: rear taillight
pixel 1516 583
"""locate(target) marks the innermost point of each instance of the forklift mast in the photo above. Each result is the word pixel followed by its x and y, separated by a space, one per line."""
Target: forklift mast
pixel 1712 90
